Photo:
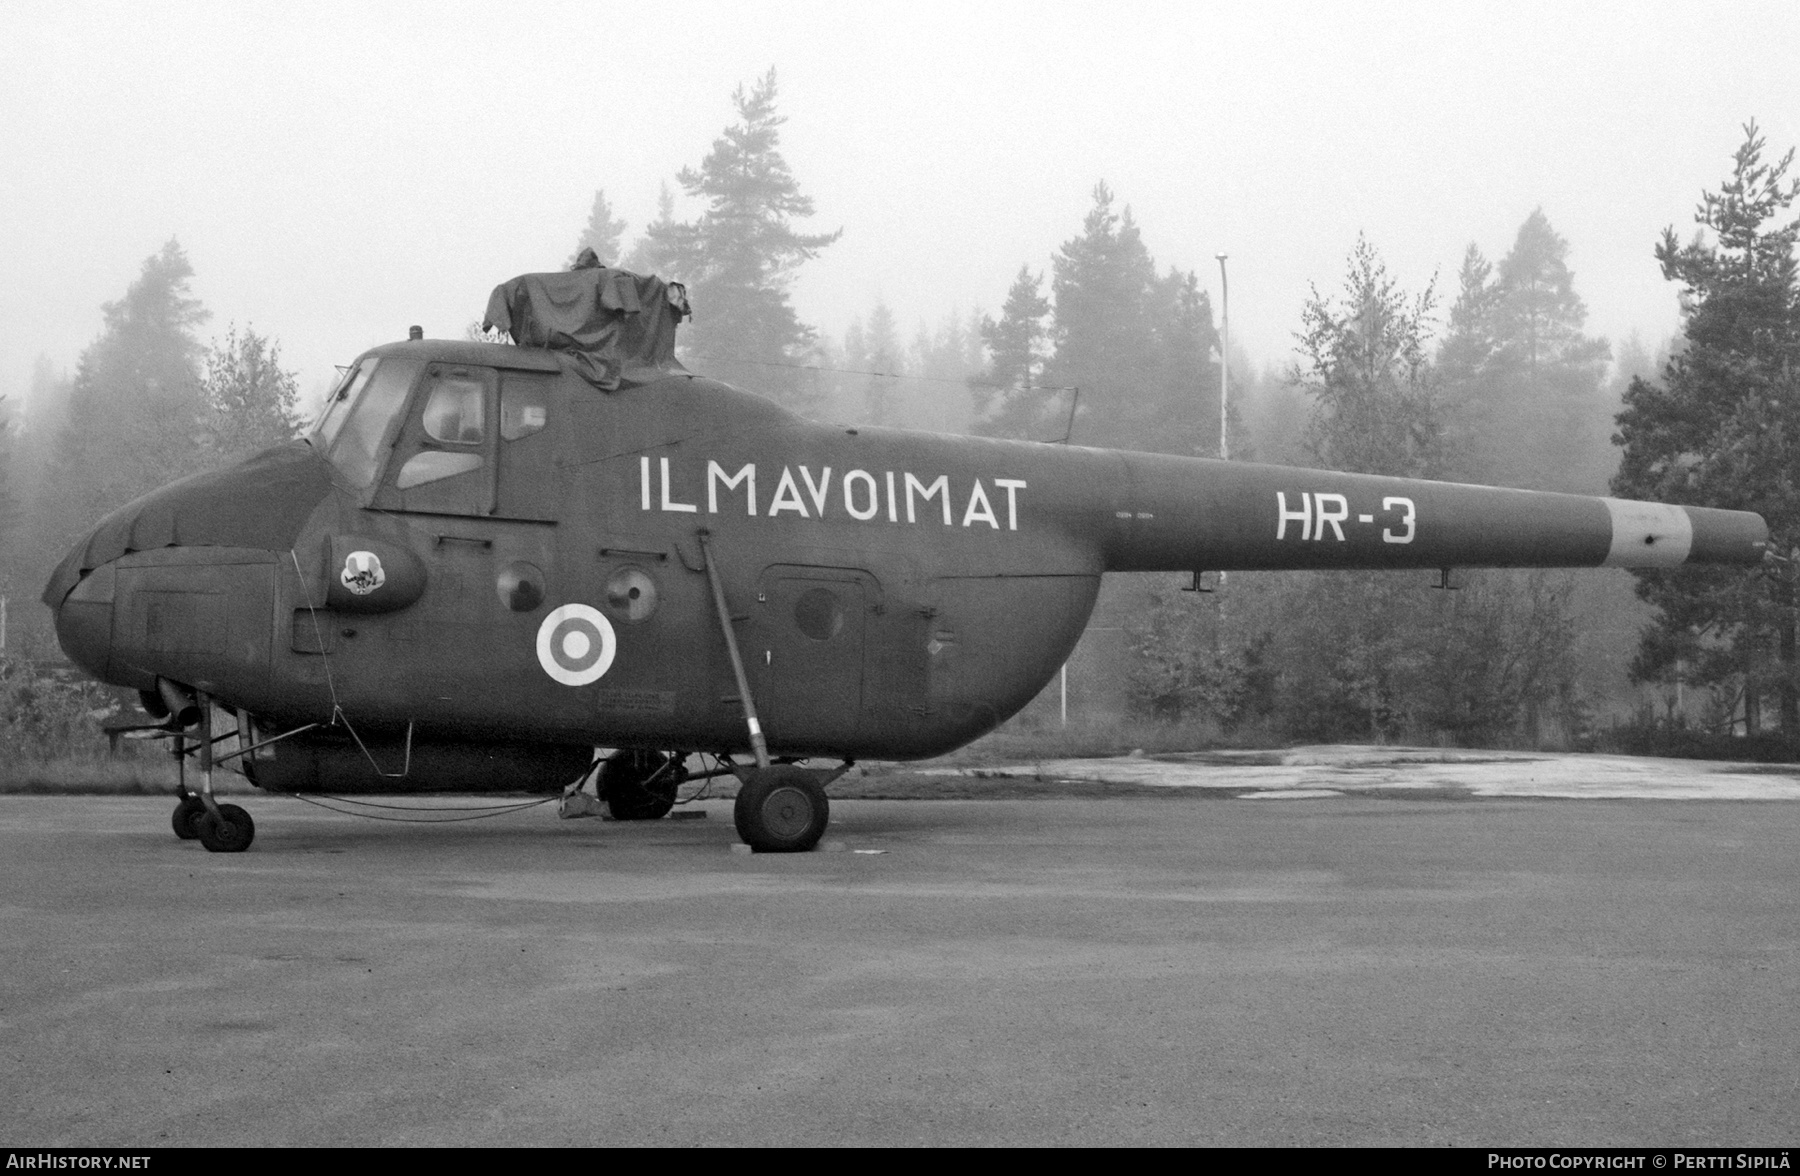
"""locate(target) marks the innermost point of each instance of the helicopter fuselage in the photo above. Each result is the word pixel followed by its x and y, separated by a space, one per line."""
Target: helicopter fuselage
pixel 478 545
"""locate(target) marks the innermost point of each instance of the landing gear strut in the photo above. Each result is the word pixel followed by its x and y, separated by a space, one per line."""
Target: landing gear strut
pixel 221 828
pixel 780 808
pixel 189 807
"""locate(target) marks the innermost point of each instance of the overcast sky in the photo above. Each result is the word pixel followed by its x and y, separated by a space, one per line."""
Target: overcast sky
pixel 339 172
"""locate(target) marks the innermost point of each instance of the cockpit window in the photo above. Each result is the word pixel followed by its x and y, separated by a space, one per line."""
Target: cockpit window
pixel 524 407
pixel 337 405
pixel 372 403
pixel 454 413
pixel 432 465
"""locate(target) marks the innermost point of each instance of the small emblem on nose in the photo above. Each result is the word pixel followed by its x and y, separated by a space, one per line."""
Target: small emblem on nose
pixel 362 572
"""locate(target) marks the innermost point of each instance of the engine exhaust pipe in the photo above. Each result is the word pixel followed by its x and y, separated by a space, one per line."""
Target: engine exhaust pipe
pixel 152 703
pixel 180 703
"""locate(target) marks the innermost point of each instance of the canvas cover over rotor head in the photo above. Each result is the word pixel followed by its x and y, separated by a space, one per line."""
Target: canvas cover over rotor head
pixel 611 325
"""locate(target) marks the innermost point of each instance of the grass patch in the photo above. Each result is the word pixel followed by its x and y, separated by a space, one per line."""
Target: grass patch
pixel 125 776
pixel 881 782
pixel 1678 741
pixel 1090 738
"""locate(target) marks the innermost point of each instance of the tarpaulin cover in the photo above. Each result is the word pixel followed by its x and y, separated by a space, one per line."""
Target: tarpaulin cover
pixel 612 325
pixel 262 503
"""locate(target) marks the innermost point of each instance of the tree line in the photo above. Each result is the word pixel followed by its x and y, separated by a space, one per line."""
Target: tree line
pixel 1503 385
pixel 1103 346
pixel 1513 392
pixel 148 402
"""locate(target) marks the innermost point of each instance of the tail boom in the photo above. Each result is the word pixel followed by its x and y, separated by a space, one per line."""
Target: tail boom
pixel 1180 514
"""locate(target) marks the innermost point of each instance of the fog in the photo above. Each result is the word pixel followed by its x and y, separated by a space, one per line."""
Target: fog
pixel 337 174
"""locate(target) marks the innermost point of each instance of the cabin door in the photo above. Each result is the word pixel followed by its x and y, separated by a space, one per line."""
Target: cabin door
pixel 807 655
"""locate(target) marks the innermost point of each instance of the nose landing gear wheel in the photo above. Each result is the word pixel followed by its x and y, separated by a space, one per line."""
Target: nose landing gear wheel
pixel 781 810
pixel 187 813
pixel 231 831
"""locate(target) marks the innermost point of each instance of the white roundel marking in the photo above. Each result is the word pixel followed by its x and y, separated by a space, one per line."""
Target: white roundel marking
pixel 575 645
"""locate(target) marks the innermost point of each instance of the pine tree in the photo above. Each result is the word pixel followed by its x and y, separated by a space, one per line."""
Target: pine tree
pixel 1723 429
pixel 601 234
pixel 845 385
pixel 1523 385
pixel 941 354
pixel 1177 408
pixel 1465 362
pixel 35 541
pixel 1134 342
pixel 9 486
pixel 1101 282
pixel 882 357
pixel 1557 368
pixel 1008 393
pixel 136 414
pixel 1469 344
pixel 856 347
pixel 1634 361
pixel 649 254
pixel 46 411
pixel 944 359
pixel 740 256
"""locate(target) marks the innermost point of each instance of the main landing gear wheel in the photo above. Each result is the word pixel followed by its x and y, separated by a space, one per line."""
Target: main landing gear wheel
pixel 640 785
pixel 185 817
pixel 781 810
pixel 231 831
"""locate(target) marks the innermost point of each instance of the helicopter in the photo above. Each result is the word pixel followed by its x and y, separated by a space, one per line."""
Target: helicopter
pixel 486 559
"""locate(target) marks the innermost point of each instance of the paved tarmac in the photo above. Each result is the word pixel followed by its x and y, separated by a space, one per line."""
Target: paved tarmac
pixel 1355 770
pixel 1337 970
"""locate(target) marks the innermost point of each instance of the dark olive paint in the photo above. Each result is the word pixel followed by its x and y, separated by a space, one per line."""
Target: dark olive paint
pixel 894 594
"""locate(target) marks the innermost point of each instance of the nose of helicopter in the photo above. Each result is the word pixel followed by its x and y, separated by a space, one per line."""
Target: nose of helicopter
pixel 179 583
pixel 84 621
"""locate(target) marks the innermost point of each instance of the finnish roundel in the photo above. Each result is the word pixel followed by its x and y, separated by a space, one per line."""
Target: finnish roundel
pixel 575 644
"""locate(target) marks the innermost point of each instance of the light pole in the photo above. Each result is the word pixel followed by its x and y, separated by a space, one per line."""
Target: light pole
pixel 1224 360
pixel 1224 388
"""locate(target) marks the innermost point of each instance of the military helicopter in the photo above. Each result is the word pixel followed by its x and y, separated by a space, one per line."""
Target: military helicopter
pixel 486 559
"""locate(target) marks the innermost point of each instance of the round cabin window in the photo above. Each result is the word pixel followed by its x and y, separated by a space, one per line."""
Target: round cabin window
pixel 631 594
pixel 520 585
pixel 819 614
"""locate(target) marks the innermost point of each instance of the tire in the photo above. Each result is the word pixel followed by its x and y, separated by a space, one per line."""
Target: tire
pixel 187 813
pixel 640 785
pixel 781 810
pixel 231 831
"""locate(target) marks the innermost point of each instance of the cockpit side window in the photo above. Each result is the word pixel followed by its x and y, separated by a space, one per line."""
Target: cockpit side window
pixel 371 406
pixel 432 465
pixel 524 407
pixel 530 484
pixel 454 414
